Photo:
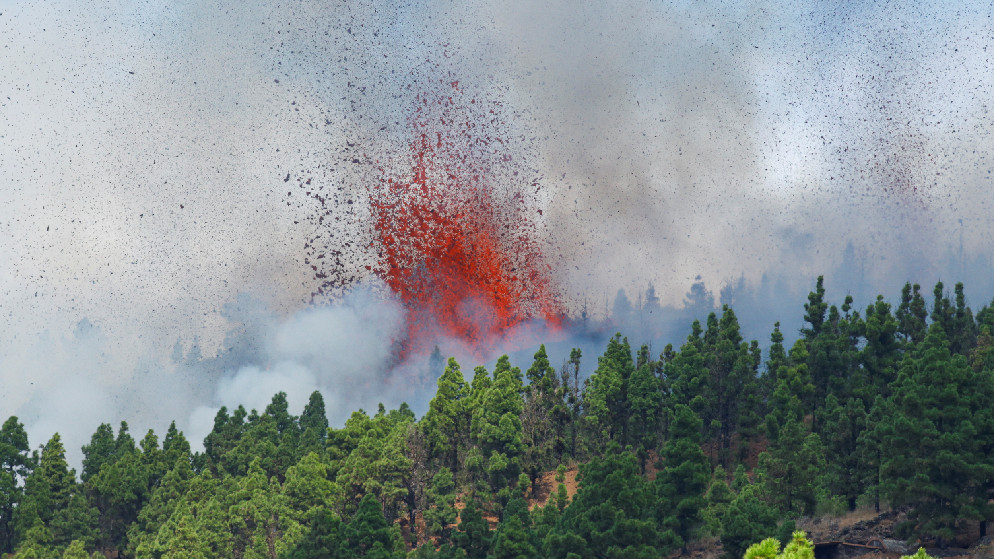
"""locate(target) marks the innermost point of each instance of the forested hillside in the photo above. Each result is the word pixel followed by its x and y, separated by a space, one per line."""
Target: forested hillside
pixel 889 406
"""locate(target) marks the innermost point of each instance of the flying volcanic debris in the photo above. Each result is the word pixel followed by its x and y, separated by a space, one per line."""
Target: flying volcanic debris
pixel 452 226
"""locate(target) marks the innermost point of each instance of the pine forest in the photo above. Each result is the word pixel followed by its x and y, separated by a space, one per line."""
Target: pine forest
pixel 711 444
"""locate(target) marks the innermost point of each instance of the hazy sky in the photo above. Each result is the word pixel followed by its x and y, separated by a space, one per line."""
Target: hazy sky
pixel 144 148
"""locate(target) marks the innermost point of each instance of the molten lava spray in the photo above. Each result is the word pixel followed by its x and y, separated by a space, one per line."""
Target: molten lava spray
pixel 453 227
pixel 464 262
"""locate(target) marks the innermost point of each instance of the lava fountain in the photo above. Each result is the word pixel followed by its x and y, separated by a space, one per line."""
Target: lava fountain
pixel 455 229
pixel 465 263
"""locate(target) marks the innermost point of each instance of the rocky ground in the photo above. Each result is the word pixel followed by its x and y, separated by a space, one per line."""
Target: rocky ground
pixel 863 526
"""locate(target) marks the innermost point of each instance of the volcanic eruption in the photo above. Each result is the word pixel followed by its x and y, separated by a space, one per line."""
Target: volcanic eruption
pixel 453 229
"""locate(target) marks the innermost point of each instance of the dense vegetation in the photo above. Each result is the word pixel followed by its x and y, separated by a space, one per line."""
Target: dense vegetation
pixel 888 407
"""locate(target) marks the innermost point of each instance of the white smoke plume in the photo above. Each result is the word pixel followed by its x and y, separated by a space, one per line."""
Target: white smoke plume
pixel 342 350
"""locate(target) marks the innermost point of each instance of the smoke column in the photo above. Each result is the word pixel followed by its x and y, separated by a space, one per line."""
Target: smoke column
pixel 160 248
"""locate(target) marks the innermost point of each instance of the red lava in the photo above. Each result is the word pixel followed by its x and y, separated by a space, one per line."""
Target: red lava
pixel 465 264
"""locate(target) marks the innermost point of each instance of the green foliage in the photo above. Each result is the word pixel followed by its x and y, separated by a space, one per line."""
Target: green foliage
pixel 716 501
pixel 686 375
pixel 766 549
pixel 604 394
pixel 307 489
pixel 119 490
pixel 313 425
pixel 793 388
pixel 37 543
pixel 799 547
pixel 446 422
pixel 920 554
pixel 747 519
pixel 377 465
pixel 162 503
pixel 474 536
pixel 612 514
pixel 791 472
pixel 645 404
pixel 53 498
pixel 933 437
pixel 684 479
pixel 100 451
pixel 881 354
pixel 847 466
pixel 541 436
pixel 442 495
pixel 445 551
pixel 15 465
pixel 814 310
pixel 76 550
pixel 911 314
pixel 323 541
pixel 496 426
pixel 893 408
pixel 514 538
pixel 369 535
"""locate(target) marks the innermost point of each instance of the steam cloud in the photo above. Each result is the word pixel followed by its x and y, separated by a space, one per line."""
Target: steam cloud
pixel 145 151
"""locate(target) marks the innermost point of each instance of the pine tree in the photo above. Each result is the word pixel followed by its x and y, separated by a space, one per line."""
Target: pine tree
pixel 307 489
pixel 732 378
pixel 48 493
pixel 645 401
pixel 324 540
pixel 36 543
pixel 538 434
pixel 76 550
pixel 604 394
pixel 441 494
pixel 184 541
pixel 496 426
pixel 799 547
pixel 119 491
pixel 124 442
pixel 963 330
pixel 912 315
pixel 474 535
pixel 869 446
pixel 687 379
pixel 514 538
pixel 791 471
pixel 881 354
pixel 175 447
pixel 445 423
pixel 747 519
pixel 612 514
pixel 313 425
pixel 716 500
pixel 100 451
pixel 161 505
pixel 377 465
pixel 15 465
pixel 842 426
pixel 684 478
pixel 369 535
pixel 814 311
pixel 931 445
pixel 793 392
